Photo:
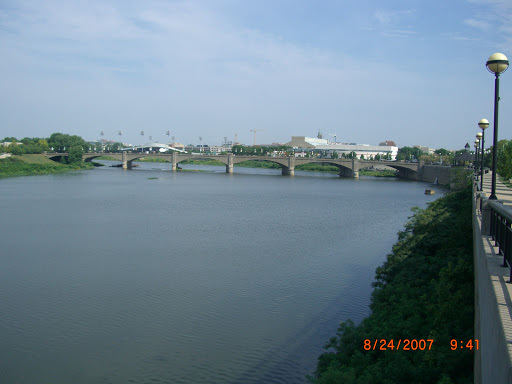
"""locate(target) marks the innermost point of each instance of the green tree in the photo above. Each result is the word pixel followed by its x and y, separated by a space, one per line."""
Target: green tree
pixel 408 153
pixel 504 164
pixel 16 149
pixel 62 142
pixel 75 155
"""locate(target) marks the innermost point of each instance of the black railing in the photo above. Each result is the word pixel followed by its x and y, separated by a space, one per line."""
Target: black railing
pixel 497 223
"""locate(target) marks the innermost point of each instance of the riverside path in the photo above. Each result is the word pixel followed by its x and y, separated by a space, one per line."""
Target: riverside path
pixel 492 242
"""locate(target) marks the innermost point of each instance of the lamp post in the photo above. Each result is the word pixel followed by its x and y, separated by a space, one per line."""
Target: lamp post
pixel 497 63
pixel 480 158
pixel 475 161
pixel 483 124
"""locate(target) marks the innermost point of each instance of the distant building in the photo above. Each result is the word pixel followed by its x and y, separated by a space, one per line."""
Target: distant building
pixel 152 147
pixel 7 143
pixel 388 143
pixel 177 146
pixel 314 144
pixel 424 149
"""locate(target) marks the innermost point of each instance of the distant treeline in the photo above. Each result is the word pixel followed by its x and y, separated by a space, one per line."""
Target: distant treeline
pixel 58 142
pixel 423 292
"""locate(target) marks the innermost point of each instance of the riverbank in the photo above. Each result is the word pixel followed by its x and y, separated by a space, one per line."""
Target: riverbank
pixel 422 300
pixel 33 164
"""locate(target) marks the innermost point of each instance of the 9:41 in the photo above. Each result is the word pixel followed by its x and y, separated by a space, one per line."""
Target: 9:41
pixel 462 344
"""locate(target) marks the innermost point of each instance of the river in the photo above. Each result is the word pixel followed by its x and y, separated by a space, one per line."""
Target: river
pixel 150 276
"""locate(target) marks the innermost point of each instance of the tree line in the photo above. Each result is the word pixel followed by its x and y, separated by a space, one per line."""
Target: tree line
pixel 74 145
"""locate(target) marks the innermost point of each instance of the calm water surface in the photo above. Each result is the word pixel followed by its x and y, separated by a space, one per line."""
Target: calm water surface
pixel 108 276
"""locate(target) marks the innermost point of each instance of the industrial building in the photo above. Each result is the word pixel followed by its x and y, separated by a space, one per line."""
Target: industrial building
pixel 319 145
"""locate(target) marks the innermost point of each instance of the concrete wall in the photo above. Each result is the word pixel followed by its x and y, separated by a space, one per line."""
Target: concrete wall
pixel 431 172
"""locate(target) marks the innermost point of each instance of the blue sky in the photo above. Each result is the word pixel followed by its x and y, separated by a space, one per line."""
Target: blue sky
pixel 409 71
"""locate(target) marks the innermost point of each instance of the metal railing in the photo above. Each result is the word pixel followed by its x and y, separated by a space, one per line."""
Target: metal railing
pixel 497 223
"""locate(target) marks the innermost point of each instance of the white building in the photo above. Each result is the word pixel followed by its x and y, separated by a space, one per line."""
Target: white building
pixel 320 145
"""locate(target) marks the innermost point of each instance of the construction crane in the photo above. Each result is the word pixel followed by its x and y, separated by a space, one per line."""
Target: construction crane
pixel 333 134
pixel 256 130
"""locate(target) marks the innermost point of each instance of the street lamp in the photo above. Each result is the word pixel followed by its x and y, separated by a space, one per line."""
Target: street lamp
pixel 479 136
pixel 497 63
pixel 483 124
pixel 475 161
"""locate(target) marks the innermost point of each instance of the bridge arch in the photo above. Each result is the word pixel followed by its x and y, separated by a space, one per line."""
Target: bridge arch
pixel 286 164
pixel 55 156
pixel 88 157
pixel 343 169
pixel 221 159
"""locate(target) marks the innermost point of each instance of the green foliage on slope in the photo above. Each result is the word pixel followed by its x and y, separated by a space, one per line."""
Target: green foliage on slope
pixel 423 291
pixel 28 165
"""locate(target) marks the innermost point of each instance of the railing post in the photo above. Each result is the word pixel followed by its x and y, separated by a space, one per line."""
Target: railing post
pixel 486 218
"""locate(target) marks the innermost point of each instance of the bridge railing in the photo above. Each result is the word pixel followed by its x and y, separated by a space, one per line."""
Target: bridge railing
pixel 497 223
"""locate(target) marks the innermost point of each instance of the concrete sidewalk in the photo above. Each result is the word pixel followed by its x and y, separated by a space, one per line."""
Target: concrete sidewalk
pixel 503 192
pixel 493 301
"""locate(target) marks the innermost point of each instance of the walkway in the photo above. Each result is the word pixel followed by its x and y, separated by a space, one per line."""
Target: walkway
pixel 493 302
pixel 502 191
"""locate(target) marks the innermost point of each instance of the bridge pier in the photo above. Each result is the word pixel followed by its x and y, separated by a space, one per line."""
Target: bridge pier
pixel 347 172
pixel 290 169
pixel 174 162
pixel 229 166
pixel 355 172
pixel 126 164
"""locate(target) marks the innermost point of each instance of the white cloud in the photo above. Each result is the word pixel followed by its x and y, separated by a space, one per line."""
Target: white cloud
pixel 494 15
pixel 479 24
pixel 394 23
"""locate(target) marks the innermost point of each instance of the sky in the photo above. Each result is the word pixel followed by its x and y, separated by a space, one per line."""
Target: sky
pixel 411 71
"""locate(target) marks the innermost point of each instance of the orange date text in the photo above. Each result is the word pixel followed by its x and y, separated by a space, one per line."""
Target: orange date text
pixel 395 345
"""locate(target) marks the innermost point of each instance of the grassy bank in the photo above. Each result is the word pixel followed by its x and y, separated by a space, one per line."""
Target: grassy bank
pixel 382 173
pixel 28 165
pixel 424 291
pixel 151 160
pixel 202 162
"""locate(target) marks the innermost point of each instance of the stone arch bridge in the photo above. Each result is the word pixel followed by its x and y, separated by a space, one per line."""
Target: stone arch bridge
pixel 347 167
